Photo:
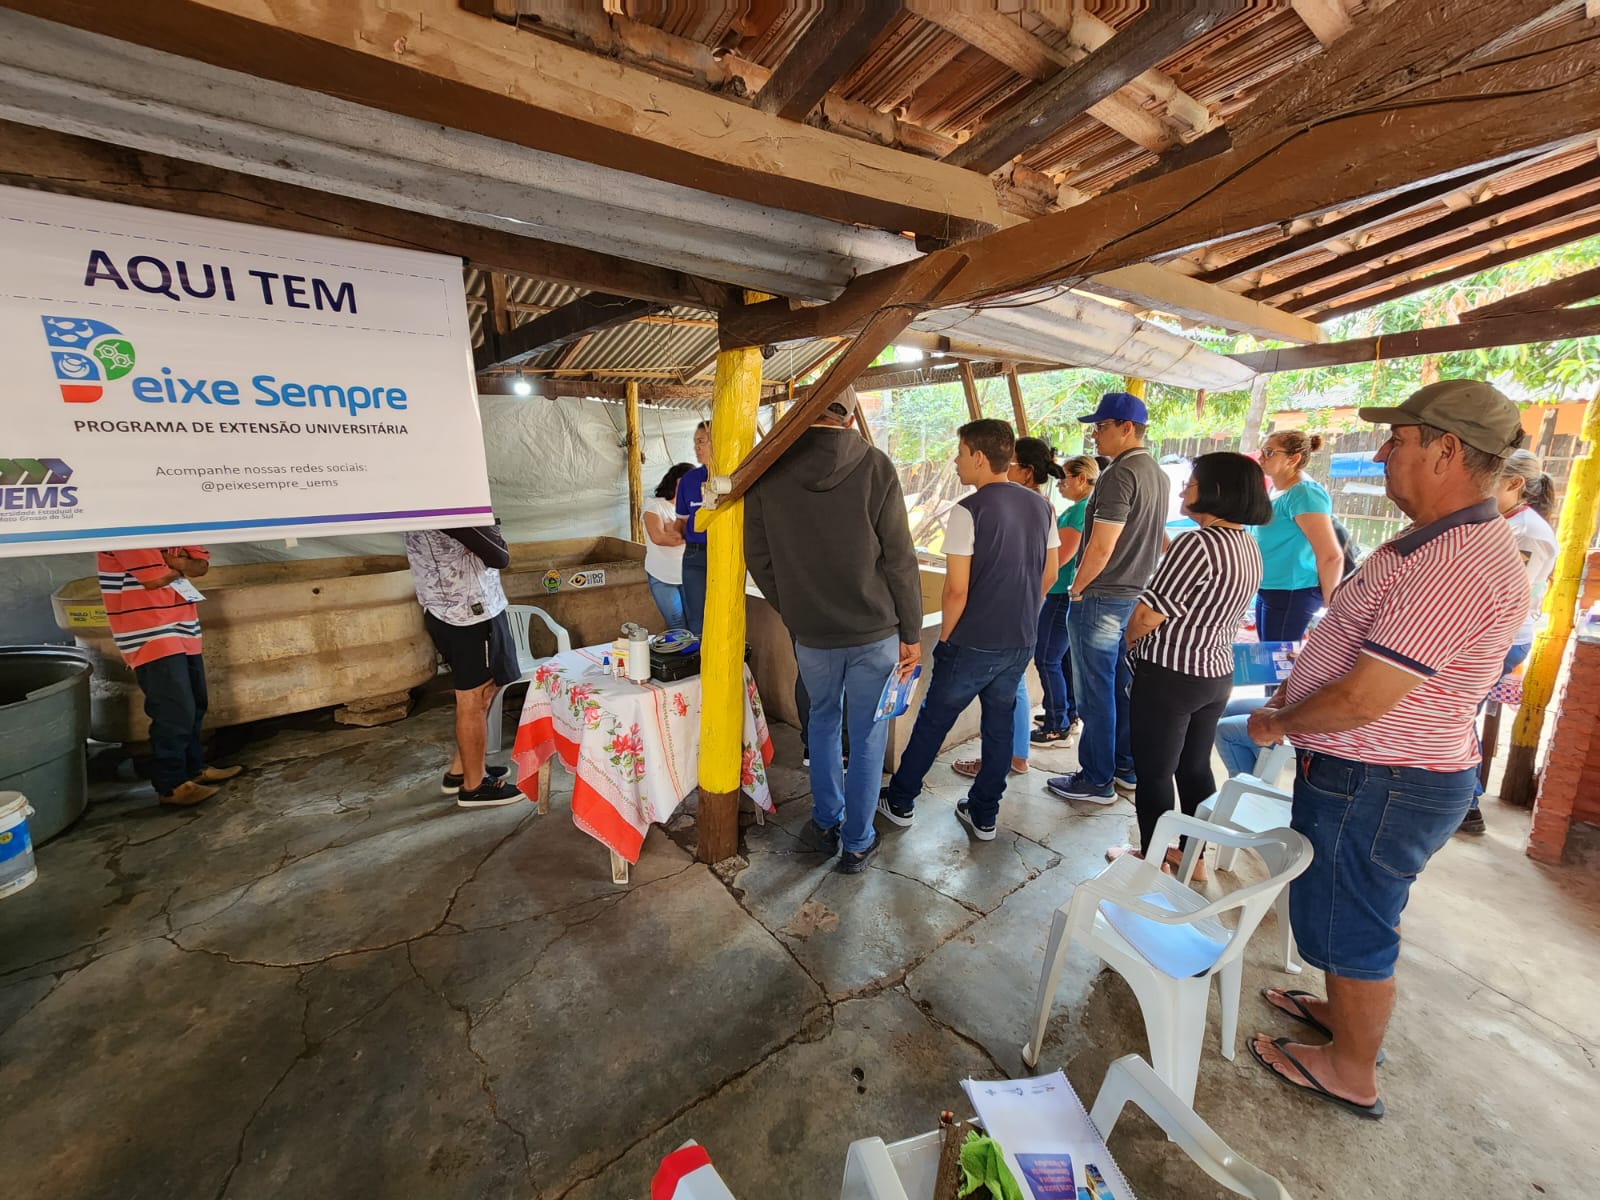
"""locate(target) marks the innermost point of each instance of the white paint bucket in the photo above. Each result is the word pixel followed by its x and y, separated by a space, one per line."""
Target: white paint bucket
pixel 16 847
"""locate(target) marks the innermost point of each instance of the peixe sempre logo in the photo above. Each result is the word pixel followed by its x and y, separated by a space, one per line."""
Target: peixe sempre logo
pixel 86 354
pixel 32 484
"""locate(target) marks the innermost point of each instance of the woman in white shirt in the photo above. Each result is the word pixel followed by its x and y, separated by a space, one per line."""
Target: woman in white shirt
pixel 1527 500
pixel 663 547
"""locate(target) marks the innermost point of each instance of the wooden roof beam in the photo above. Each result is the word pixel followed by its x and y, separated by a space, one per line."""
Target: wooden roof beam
pixel 1493 110
pixel 1328 20
pixel 1494 259
pixel 1155 35
pixel 430 60
pixel 1148 286
pixel 831 45
pixel 1459 221
pixel 1425 258
pixel 1585 285
pixel 1521 329
pixel 1355 222
pixel 562 326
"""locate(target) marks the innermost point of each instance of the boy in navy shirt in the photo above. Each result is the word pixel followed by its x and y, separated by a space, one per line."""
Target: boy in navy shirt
pixel 1000 561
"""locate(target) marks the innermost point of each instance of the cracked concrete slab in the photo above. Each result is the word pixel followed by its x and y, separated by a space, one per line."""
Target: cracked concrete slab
pixel 403 1109
pixel 135 1076
pixel 666 994
pixel 880 1068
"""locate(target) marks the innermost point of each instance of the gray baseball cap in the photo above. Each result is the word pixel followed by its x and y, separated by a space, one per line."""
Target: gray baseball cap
pixel 1479 414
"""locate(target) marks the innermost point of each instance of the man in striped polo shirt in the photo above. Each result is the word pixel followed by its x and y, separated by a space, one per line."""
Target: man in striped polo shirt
pixel 1380 708
pixel 157 632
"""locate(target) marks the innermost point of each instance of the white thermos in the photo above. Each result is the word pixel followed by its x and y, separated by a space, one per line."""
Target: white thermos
pixel 638 652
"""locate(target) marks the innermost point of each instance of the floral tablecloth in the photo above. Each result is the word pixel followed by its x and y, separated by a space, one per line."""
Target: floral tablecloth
pixel 633 748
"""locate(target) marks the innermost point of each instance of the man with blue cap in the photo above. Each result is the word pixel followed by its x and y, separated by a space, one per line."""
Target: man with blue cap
pixel 1122 535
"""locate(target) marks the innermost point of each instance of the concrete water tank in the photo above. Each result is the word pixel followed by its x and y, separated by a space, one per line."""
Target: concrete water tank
pixel 279 637
pixel 44 719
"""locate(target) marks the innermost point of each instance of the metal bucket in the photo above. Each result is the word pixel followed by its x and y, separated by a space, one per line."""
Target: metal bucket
pixel 44 721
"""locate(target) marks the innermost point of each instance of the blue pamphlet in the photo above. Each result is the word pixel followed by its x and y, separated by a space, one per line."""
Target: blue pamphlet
pixel 1263 662
pixel 896 696
pixel 1049 1176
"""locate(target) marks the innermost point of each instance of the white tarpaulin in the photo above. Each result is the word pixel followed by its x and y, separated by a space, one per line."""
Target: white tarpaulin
pixel 175 379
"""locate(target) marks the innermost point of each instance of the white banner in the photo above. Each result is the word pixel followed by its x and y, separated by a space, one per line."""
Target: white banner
pixel 175 379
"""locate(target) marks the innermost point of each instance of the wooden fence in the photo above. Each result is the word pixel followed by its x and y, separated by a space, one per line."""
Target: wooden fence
pixel 1373 518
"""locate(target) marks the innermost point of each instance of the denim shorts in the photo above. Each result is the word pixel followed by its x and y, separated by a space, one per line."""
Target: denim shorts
pixel 1373 829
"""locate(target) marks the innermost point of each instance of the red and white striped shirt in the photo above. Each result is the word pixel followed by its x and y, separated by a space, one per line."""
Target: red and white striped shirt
pixel 1442 602
pixel 147 623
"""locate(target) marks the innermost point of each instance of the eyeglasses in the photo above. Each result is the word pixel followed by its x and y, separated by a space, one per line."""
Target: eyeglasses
pixel 1190 484
pixel 1266 454
pixel 1099 425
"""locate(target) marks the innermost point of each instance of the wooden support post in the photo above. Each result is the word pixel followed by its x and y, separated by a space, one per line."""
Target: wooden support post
pixel 1254 416
pixel 969 385
pixel 735 397
pixel 635 463
pixel 1018 411
pixel 1134 387
pixel 1574 533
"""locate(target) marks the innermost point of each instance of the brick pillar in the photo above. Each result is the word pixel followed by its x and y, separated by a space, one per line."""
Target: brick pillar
pixel 1572 769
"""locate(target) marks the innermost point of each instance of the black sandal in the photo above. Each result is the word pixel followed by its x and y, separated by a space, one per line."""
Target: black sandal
pixel 1371 1112
pixel 1297 997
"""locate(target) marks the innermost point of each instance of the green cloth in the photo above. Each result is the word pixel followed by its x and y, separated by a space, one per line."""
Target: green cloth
pixel 1071 518
pixel 984 1166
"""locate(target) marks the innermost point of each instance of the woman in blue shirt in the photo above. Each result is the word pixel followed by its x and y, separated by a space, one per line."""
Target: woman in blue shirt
pixel 1299 551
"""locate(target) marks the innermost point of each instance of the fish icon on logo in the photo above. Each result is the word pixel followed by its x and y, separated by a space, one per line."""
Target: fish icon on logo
pixel 86 354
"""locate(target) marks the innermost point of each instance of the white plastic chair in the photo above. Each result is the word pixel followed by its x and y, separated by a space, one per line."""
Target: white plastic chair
pixel 906 1170
pixel 1251 804
pixel 1130 1080
pixel 1168 943
pixel 519 616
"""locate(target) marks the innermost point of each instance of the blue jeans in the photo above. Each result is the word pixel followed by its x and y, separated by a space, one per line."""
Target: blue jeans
pixel 1101 679
pixel 1021 727
pixel 1050 659
pixel 960 675
pixel 1372 829
pixel 174 690
pixel 1234 747
pixel 853 675
pixel 1282 614
pixel 669 599
pixel 694 587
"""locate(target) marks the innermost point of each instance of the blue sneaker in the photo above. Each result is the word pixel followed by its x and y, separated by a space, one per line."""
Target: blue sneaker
pixel 1077 787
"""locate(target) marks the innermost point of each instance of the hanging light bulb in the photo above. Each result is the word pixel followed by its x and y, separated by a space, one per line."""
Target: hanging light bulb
pixel 521 387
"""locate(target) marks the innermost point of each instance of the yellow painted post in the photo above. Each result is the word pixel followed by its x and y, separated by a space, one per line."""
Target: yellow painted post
pixel 1574 533
pixel 1134 387
pixel 735 398
pixel 635 463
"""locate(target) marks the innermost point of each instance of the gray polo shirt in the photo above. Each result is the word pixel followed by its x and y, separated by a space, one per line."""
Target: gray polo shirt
pixel 1132 492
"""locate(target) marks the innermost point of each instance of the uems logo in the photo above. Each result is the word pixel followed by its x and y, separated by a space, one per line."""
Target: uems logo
pixel 86 353
pixel 31 483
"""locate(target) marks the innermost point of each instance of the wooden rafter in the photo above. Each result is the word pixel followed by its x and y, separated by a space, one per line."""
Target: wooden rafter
pixel 834 41
pixel 1155 35
pixel 1476 264
pixel 1349 223
pixel 561 327
pixel 59 162
pixel 969 388
pixel 432 61
pixel 1585 285
pixel 1584 175
pixel 1328 20
pixel 1575 206
pixel 1493 109
pixel 1548 326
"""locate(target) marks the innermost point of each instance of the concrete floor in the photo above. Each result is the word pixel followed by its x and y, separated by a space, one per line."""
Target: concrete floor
pixel 332 982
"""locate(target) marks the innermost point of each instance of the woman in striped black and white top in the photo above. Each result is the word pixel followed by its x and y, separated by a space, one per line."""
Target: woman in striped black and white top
pixel 1181 638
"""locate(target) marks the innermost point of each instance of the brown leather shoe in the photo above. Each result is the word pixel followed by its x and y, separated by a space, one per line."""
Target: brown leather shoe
pixel 969 767
pixel 187 794
pixel 217 774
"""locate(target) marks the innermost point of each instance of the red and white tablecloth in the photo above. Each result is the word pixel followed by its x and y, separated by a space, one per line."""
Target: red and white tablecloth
pixel 633 748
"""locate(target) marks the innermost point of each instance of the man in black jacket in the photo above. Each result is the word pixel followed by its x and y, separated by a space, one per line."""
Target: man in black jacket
pixel 457 577
pixel 827 540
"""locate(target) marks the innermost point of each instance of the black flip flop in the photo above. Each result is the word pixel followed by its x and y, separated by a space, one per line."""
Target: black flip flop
pixel 1372 1112
pixel 1303 1014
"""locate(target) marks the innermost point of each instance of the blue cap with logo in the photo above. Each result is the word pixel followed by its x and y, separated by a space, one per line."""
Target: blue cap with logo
pixel 1119 406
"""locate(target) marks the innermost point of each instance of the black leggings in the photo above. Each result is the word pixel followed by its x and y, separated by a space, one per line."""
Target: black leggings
pixel 1173 721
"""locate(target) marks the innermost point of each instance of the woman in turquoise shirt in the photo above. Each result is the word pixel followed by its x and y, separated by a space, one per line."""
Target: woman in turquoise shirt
pixel 1299 550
